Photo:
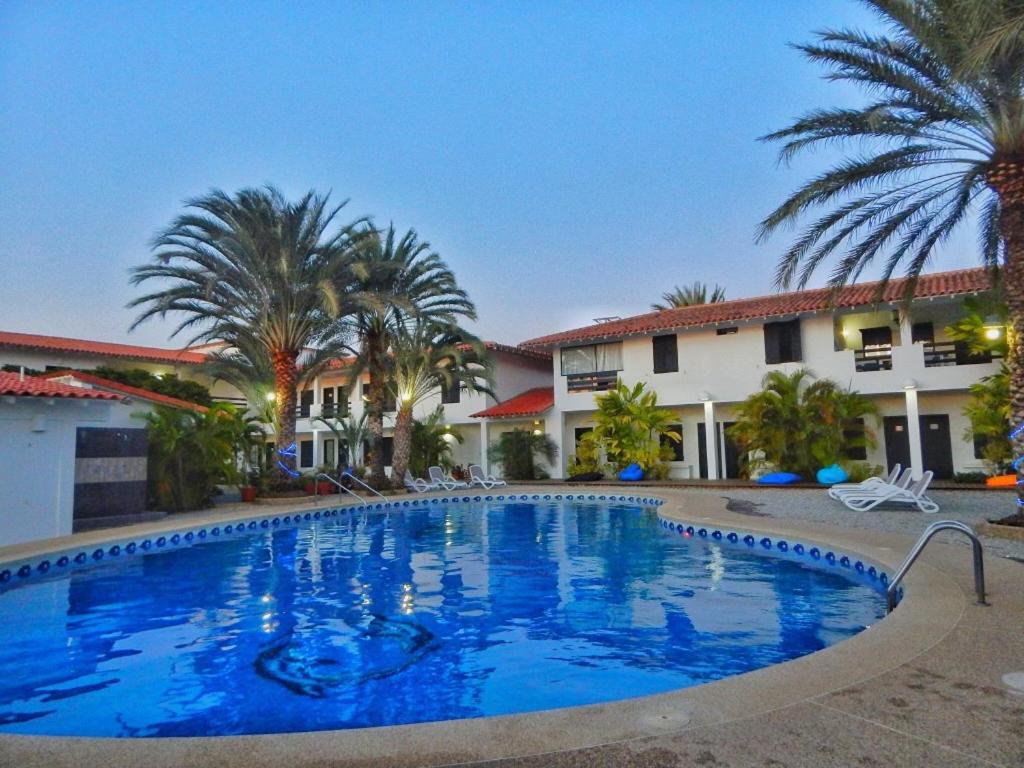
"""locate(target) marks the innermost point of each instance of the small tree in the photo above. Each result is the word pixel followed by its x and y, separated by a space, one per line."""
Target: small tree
pixel 989 412
pixel 799 424
pixel 518 451
pixel 351 433
pixel 431 444
pixel 629 426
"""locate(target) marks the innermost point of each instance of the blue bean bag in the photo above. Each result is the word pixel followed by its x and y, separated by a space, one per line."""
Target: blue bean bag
pixel 778 478
pixel 832 475
pixel 631 474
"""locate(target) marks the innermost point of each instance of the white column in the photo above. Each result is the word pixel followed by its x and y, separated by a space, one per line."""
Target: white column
pixel 317 461
pixel 484 445
pixel 555 425
pixel 914 431
pixel 711 439
pixel 906 330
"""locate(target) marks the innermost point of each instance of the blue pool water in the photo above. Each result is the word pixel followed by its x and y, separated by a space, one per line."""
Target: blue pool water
pixel 448 611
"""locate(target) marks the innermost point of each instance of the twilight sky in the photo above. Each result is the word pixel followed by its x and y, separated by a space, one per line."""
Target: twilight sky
pixel 569 160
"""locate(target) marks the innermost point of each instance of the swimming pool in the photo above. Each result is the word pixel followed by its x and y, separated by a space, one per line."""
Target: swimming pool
pixel 434 612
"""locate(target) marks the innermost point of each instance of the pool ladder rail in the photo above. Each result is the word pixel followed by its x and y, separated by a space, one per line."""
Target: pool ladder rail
pixel 349 491
pixel 892 591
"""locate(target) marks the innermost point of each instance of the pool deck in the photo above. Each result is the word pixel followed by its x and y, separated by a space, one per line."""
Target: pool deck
pixel 925 686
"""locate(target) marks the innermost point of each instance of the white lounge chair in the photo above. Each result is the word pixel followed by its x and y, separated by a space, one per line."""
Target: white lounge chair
pixel 441 480
pixel 839 489
pixel 477 476
pixel 418 484
pixel 873 485
pixel 892 495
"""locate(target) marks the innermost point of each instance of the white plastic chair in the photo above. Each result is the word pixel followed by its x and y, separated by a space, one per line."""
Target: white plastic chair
pixel 477 476
pixel 892 495
pixel 839 489
pixel 441 480
pixel 878 485
pixel 418 484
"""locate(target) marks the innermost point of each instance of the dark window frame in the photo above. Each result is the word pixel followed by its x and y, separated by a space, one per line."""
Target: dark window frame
pixel 304 454
pixel 451 395
pixel 783 342
pixel 665 350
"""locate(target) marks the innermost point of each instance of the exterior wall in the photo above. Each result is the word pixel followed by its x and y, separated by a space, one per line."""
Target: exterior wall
pixel 37 464
pixel 42 360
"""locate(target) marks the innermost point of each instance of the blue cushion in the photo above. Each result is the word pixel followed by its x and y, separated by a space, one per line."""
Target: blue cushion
pixel 632 473
pixel 832 475
pixel 778 478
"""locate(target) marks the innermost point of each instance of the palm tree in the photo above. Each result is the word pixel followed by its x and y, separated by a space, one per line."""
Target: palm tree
pixel 689 296
pixel 431 443
pixel 942 136
pixel 517 452
pixel 350 433
pixel 266 278
pixel 629 426
pixel 425 359
pixel 405 282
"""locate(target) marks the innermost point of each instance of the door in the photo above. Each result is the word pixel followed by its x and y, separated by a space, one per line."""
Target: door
pixel 328 403
pixel 305 402
pixel 702 450
pixel 729 457
pixel 936 448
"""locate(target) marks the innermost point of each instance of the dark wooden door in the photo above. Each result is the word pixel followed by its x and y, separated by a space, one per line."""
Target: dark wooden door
pixel 936 448
pixel 897 443
pixel 702 450
pixel 730 456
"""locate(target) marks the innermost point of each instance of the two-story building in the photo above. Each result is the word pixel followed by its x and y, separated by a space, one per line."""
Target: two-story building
pixel 703 360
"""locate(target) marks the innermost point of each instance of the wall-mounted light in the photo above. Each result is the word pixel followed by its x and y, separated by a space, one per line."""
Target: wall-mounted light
pixel 271 397
pixel 704 397
pixel 993 328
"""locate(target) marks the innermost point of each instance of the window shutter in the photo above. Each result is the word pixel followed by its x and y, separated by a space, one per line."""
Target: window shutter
pixel 796 352
pixel 772 334
pixel 666 353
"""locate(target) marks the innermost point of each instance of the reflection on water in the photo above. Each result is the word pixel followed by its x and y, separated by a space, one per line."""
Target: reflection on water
pixel 433 614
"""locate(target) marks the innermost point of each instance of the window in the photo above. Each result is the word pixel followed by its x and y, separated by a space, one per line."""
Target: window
pixel 666 353
pixel 306 453
pixel 305 401
pixel 855 431
pixel 677 448
pixel 594 358
pixel 330 456
pixel 726 331
pixel 451 394
pixel 335 402
pixel 876 337
pixel 782 342
pixel 580 432
pixel 922 332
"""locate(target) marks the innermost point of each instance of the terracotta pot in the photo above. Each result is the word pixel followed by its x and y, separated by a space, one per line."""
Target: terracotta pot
pixel 324 487
pixel 309 487
pixel 248 493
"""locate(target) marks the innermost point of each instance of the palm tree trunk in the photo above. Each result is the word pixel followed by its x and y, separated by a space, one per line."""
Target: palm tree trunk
pixel 285 376
pixel 403 445
pixel 375 410
pixel 1007 178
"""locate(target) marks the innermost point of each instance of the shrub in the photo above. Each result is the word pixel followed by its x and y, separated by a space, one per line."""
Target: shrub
pixel 629 426
pixel 168 384
pixel 518 451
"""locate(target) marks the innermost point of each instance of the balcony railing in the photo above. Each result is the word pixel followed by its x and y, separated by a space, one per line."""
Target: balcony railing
pixel 334 410
pixel 592 382
pixel 943 353
pixel 877 358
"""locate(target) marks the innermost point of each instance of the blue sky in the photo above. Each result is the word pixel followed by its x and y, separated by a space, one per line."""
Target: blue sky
pixel 569 160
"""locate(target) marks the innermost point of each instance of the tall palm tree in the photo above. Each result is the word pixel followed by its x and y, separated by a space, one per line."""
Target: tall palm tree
pixel 265 277
pixel 942 136
pixel 425 359
pixel 405 282
pixel 689 295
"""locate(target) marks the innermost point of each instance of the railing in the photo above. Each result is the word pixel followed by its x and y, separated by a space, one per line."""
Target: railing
pixel 334 410
pixel 592 382
pixel 943 353
pixel 943 525
pixel 873 358
pixel 328 478
pixel 372 490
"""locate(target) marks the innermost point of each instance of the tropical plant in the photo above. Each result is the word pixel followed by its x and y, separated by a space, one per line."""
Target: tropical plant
pixel 518 451
pixel 690 295
pixel 350 433
pixel 981 317
pixel 165 384
pixel 425 358
pixel 406 283
pixel 943 134
pixel 799 424
pixel 191 451
pixel 989 414
pixel 431 443
pixel 629 426
pixel 249 371
pixel 587 458
pixel 263 277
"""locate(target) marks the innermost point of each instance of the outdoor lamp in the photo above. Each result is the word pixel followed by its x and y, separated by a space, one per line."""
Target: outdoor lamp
pixel 993 327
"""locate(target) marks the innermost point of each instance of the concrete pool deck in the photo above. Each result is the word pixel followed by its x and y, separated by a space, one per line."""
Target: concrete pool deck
pixel 924 686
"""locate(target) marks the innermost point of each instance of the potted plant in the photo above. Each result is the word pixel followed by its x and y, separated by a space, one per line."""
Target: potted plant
pixel 324 486
pixel 248 491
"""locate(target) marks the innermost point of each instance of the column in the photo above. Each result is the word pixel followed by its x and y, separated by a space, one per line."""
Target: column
pixel 914 430
pixel 484 445
pixel 906 330
pixel 555 424
pixel 711 438
pixel 316 410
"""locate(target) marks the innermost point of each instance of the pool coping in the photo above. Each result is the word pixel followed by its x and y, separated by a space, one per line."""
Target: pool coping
pixel 933 606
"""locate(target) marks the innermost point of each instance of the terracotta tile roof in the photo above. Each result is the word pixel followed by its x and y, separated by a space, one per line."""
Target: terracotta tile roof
pixel 533 354
pixel 124 389
pixel 963 281
pixel 34 386
pixel 532 402
pixel 100 348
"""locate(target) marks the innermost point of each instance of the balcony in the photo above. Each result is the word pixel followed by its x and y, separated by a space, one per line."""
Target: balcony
pixel 938 354
pixel 877 358
pixel 592 382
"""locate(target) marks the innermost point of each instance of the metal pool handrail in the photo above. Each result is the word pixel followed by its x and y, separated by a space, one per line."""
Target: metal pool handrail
pixel 372 490
pixel 931 530
pixel 325 476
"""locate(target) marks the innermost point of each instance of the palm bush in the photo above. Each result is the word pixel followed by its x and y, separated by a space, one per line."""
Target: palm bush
pixel 629 426
pixel 941 137
pixel 350 433
pixel 689 296
pixel 431 443
pixel 799 424
pixel 989 414
pixel 266 278
pixel 518 452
